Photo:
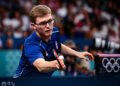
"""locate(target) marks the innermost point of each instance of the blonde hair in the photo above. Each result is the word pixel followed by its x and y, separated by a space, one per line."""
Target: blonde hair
pixel 39 11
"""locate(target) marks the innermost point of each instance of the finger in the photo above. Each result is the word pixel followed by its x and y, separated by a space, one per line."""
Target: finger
pixel 62 60
pixel 58 66
pixel 63 66
pixel 91 57
pixel 85 58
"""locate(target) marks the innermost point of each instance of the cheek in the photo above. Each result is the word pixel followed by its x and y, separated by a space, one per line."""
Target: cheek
pixel 40 30
pixel 51 27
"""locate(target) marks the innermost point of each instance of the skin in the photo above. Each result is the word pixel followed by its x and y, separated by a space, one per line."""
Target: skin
pixel 45 35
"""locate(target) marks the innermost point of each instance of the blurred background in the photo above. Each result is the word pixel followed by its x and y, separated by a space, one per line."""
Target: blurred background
pixel 79 22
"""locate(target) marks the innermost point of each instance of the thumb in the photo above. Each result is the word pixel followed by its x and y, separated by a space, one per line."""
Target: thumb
pixel 86 58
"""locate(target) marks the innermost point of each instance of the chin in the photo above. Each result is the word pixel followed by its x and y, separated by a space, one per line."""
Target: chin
pixel 48 34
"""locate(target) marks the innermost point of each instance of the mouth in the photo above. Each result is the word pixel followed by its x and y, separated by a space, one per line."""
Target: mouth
pixel 48 31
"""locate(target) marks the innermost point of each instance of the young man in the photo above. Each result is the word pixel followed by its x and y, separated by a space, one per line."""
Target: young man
pixel 37 59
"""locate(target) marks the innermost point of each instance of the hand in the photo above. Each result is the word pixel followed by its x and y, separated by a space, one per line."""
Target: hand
pixel 83 54
pixel 63 65
pixel 59 67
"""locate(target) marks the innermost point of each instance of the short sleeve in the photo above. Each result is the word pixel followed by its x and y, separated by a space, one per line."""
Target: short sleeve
pixel 32 52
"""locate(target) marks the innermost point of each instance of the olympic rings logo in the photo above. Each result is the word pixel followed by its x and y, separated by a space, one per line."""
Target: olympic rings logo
pixel 111 64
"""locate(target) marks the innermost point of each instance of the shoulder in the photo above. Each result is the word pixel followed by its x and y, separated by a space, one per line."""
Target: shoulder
pixel 31 50
pixel 55 30
pixel 32 39
pixel 29 39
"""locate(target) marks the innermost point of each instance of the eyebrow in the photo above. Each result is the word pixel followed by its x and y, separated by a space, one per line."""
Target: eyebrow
pixel 45 21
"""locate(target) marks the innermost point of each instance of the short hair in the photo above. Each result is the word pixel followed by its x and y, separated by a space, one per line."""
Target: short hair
pixel 71 42
pixel 39 11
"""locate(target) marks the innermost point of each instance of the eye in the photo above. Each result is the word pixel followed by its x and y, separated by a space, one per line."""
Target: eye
pixel 43 23
pixel 50 20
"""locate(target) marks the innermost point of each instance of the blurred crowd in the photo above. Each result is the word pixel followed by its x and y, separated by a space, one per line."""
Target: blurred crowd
pixel 76 66
pixel 86 19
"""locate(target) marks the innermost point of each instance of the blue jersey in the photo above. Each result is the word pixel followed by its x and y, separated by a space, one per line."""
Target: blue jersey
pixel 35 48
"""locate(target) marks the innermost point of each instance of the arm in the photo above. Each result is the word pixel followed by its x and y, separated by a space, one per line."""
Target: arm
pixel 68 51
pixel 36 58
pixel 46 66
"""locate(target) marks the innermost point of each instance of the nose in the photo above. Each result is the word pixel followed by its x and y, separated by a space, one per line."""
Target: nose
pixel 47 25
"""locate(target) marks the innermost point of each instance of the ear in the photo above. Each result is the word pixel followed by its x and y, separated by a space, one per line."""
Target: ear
pixel 33 26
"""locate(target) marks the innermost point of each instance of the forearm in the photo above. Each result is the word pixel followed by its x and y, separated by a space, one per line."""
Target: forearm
pixel 45 66
pixel 68 51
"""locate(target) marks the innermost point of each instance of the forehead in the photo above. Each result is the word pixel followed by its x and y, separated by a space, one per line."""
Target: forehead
pixel 44 18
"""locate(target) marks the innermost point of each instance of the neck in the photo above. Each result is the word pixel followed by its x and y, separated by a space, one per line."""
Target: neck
pixel 44 38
